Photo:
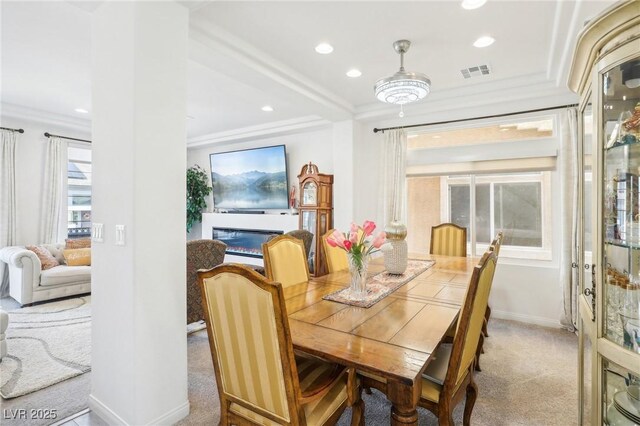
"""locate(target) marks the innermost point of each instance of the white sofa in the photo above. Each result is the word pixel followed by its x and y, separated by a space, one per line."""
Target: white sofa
pixel 29 283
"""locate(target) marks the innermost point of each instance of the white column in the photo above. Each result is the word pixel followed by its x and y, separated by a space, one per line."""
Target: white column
pixel 345 135
pixel 139 346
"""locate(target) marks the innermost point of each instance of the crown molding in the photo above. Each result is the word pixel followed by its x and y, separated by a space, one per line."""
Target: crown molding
pixel 524 87
pixel 275 128
pixel 217 40
pixel 39 116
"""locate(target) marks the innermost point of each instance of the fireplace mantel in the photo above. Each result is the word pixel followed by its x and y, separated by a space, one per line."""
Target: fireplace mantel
pixel 267 222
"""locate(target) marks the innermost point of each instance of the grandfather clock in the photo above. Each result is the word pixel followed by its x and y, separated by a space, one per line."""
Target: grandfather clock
pixel 316 211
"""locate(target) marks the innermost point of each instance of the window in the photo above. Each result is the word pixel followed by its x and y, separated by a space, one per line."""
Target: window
pixel 79 192
pixel 511 203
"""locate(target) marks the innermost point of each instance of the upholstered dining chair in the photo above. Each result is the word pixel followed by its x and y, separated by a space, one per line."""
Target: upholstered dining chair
pixel 448 239
pixel 449 376
pixel 335 257
pixel 495 247
pixel 201 254
pixel 260 381
pixel 285 260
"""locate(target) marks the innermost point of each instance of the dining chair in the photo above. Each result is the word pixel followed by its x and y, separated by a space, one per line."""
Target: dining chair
pixel 449 377
pixel 285 260
pixel 495 247
pixel 448 239
pixel 259 379
pixel 335 257
pixel 201 254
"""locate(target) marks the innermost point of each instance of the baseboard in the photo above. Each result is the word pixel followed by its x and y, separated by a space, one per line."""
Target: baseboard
pixel 104 412
pixel 173 416
pixel 529 319
pixel 111 418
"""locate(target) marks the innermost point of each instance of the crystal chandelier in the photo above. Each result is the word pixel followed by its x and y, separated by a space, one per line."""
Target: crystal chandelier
pixel 403 87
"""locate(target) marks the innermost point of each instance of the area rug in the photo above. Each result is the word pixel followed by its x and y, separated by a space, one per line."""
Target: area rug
pixel 381 285
pixel 46 344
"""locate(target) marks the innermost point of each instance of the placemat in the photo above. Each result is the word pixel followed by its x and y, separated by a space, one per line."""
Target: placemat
pixel 381 285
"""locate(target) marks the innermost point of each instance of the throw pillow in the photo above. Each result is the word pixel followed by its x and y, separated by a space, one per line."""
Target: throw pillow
pixel 76 243
pixel 78 257
pixel 46 258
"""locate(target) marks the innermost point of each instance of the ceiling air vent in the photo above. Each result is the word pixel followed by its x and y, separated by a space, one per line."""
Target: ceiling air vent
pixel 477 71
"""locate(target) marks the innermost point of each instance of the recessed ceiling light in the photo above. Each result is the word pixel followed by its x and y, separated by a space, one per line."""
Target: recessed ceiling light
pixel 436 136
pixel 267 108
pixel 484 41
pixel 353 73
pixel 472 4
pixel 324 48
pixel 81 111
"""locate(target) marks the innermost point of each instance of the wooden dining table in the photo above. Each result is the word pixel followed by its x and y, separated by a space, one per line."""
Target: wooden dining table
pixel 393 339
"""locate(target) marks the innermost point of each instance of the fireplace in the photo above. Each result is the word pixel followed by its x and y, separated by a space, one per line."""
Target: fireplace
pixel 243 242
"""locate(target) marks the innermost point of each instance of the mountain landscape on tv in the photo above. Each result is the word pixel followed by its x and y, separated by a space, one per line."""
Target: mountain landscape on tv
pixel 250 190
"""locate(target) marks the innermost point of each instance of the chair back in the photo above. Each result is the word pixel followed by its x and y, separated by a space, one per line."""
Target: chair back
pixel 496 243
pixel 471 318
pixel 448 239
pixel 305 236
pixel 285 260
pixel 250 344
pixel 335 257
pixel 201 254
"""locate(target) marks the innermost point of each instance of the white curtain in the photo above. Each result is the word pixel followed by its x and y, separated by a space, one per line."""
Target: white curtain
pixel 54 202
pixel 569 213
pixel 8 216
pixel 394 156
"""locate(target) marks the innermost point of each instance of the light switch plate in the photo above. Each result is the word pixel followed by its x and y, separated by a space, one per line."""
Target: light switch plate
pixel 120 235
pixel 97 232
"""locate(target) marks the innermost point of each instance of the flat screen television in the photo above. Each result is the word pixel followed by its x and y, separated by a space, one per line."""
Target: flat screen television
pixel 250 179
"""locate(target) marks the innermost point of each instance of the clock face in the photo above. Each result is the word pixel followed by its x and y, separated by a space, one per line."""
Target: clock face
pixel 310 194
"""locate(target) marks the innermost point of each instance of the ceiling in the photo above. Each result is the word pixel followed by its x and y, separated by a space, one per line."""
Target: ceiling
pixel 244 55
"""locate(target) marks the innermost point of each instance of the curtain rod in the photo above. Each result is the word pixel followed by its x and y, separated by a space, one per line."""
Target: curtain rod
pixel 49 135
pixel 376 130
pixel 12 130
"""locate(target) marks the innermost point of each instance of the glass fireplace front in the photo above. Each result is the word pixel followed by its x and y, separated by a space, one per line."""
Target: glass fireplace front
pixel 243 242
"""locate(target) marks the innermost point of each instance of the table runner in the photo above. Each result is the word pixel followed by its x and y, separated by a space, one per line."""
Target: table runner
pixel 380 285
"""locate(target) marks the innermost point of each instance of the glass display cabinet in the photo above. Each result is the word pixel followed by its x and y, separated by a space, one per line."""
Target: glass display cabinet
pixel 606 74
pixel 316 211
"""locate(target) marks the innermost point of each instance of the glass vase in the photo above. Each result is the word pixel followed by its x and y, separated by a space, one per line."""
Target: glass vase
pixel 358 265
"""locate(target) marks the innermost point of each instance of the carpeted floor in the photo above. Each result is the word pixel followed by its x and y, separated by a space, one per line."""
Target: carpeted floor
pixel 528 379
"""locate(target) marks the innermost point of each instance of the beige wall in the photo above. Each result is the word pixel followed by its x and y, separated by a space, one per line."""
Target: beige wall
pixel 423 197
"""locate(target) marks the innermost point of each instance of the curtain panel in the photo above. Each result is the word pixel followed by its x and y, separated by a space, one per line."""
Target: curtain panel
pixel 569 214
pixel 8 215
pixel 54 202
pixel 394 196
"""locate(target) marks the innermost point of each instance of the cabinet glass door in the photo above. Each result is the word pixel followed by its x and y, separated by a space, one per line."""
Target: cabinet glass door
pixel 621 210
pixel 584 265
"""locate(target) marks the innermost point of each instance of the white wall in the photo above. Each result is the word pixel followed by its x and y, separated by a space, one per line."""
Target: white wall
pixel 523 290
pixel 30 162
pixel 314 146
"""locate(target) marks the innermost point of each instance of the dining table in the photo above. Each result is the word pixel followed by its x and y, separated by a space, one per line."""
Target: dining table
pixel 395 338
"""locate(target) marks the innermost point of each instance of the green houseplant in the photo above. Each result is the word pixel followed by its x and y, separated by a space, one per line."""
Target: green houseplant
pixel 197 190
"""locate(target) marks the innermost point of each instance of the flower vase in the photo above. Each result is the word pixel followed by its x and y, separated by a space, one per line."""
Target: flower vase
pixel 358 265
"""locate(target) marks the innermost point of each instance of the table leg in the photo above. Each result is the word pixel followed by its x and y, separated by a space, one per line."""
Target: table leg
pixel 404 401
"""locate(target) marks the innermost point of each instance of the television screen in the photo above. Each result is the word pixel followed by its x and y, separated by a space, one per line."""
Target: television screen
pixel 250 179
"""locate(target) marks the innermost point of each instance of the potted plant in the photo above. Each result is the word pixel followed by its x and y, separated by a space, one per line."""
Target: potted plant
pixel 197 190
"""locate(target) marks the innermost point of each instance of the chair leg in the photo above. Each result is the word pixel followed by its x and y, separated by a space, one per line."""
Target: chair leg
pixel 357 413
pixel 487 315
pixel 445 417
pixel 472 394
pixel 478 352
